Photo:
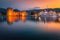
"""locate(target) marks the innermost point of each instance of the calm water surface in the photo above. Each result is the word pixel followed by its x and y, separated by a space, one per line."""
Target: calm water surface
pixel 29 27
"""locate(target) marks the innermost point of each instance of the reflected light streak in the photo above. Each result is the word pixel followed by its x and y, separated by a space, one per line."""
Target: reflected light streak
pixel 51 27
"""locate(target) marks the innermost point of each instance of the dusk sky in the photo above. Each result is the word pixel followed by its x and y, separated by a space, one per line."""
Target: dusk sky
pixel 28 4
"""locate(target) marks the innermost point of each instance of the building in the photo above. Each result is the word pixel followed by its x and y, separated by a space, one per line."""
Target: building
pixel 14 16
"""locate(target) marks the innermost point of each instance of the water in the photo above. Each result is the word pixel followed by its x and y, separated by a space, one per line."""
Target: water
pixel 29 27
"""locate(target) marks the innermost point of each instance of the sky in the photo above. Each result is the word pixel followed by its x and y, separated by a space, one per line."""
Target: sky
pixel 29 4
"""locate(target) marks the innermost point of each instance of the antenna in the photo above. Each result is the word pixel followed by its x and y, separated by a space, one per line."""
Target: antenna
pixel 47 7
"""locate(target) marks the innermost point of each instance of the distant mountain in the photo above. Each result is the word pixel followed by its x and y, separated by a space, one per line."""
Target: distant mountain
pixel 16 10
pixel 57 9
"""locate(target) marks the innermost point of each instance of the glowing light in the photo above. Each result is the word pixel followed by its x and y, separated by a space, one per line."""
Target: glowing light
pixel 13 16
pixel 59 19
pixel 51 27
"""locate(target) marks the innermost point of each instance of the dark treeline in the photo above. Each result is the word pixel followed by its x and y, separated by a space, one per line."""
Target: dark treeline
pixel 3 11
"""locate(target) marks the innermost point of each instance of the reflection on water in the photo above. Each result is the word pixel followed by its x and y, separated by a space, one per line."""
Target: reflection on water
pixel 45 25
pixel 29 25
pixel 12 19
pixel 51 27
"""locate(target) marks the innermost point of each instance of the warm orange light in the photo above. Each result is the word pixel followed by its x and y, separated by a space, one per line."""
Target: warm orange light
pixel 22 18
pixel 59 19
pixel 13 16
pixel 23 15
pixel 51 27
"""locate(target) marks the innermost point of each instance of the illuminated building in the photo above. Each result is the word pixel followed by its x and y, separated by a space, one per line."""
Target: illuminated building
pixel 23 15
pixel 9 11
pixel 10 15
pixel 59 16
pixel 14 16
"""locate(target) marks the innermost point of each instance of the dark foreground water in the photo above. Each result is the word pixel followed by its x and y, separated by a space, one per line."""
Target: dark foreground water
pixel 29 29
